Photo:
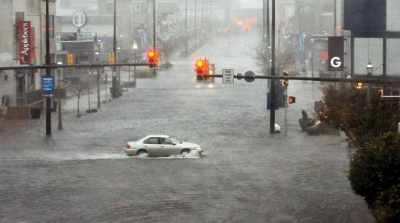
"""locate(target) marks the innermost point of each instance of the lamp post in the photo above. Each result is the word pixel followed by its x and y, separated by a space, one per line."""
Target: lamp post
pixel 135 46
pixel 98 79
pixel 370 69
pixel 117 61
pixel 195 24
pixel 312 58
pixel 186 31
pixel 120 37
pixel 88 90
pixel 59 96
pixel 99 47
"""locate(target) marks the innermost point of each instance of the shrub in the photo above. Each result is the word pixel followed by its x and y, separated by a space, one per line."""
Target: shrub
pixel 375 173
pixel 386 208
pixel 361 113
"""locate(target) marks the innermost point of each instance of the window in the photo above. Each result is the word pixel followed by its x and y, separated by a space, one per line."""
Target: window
pixel 306 11
pixel 138 7
pixel 153 140
pixel 168 141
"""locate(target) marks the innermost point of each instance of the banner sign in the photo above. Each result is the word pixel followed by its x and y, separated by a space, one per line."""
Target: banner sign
pixel 25 42
pixel 335 53
pixel 47 85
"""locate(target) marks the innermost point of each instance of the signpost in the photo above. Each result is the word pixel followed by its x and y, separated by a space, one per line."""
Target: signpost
pixel 228 76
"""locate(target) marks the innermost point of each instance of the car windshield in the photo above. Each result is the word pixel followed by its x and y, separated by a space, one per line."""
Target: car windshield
pixel 175 140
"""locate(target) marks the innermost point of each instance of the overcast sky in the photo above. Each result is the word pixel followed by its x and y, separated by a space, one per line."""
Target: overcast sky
pixel 250 4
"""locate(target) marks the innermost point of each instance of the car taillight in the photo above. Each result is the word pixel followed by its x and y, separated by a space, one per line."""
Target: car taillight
pixel 128 146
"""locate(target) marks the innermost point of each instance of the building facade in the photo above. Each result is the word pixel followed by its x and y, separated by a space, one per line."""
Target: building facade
pixel 23 44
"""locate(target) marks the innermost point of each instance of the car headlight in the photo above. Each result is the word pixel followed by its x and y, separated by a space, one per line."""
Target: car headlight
pixel 198 148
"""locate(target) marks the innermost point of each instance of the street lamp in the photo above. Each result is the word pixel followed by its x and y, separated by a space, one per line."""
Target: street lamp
pixel 98 79
pixel 99 47
pixel 135 47
pixel 117 61
pixel 370 69
pixel 120 37
pixel 59 96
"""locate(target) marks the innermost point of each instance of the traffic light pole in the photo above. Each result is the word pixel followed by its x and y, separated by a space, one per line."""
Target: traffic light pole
pixel 48 70
pixel 286 102
pixel 272 90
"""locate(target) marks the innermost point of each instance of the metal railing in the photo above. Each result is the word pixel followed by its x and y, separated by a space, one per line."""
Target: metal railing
pixel 24 99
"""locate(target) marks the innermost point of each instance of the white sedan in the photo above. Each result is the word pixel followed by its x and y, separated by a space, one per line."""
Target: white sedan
pixel 160 145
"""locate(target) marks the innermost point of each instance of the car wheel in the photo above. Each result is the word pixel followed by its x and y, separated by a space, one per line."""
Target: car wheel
pixel 185 152
pixel 142 152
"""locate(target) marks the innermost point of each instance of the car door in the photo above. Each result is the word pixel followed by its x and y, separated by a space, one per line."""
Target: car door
pixel 152 146
pixel 167 147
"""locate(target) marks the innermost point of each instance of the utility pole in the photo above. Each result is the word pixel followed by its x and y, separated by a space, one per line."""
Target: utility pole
pixel 154 24
pixel 186 32
pixel 272 91
pixel 48 70
pixel 195 24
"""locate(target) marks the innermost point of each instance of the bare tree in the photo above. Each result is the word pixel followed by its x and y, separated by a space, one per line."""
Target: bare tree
pixel 284 59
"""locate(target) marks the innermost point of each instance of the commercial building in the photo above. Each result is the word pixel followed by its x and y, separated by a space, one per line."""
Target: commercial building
pixel 22 43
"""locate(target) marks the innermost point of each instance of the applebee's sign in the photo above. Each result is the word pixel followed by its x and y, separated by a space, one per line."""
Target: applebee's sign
pixel 25 42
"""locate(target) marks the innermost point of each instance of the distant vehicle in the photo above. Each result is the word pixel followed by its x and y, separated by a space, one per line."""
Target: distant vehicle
pixel 161 145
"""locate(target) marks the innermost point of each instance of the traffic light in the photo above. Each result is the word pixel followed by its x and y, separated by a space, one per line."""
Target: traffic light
pixel 202 68
pixel 111 58
pixel 291 100
pixel 199 70
pixel 206 67
pixel 246 28
pixel 70 59
pixel 286 81
pixel 152 56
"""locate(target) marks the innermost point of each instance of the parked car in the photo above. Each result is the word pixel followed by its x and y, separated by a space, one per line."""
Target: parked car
pixel 161 145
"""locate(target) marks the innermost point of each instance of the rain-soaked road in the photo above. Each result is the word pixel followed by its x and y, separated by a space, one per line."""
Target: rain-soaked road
pixel 80 174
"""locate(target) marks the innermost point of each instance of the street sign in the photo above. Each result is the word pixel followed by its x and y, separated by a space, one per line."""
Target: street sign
pixel 276 101
pixel 228 76
pixel 47 85
pixel 335 53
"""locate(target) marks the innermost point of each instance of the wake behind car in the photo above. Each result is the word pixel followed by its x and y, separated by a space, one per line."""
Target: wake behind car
pixel 161 145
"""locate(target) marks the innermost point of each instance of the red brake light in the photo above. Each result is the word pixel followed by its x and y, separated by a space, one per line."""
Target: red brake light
pixel 128 146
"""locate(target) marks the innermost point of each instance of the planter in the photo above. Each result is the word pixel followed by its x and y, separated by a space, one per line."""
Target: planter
pixel 304 123
pixel 312 130
pixel 35 113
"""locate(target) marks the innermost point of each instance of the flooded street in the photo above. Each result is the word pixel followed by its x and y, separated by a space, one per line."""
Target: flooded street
pixel 246 174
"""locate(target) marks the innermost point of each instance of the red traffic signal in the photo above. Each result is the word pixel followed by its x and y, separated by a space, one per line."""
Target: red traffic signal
pixel 291 100
pixel 152 56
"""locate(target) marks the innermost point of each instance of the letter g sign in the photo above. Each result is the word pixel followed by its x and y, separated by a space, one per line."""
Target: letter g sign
pixel 335 53
pixel 335 62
